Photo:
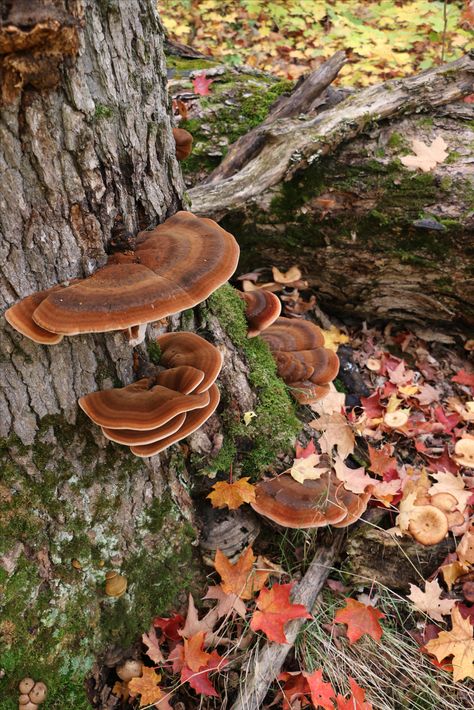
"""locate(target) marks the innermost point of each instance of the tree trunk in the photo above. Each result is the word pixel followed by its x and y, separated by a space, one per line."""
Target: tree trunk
pixel 85 138
pixel 324 186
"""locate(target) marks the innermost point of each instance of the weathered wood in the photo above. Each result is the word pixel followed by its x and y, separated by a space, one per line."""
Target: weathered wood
pixel 261 669
pixel 291 145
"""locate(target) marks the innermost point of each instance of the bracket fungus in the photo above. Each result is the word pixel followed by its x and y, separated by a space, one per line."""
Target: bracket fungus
pixel 184 143
pixel 302 361
pixel 155 412
pixel 262 309
pixel 311 504
pixel 174 266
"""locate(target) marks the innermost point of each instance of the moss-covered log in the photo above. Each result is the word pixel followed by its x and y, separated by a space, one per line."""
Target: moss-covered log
pixel 376 240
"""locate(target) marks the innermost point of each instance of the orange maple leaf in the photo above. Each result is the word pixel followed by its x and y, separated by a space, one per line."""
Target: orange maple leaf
pixel 194 654
pixel 380 459
pixel 356 701
pixel 146 686
pixel 232 495
pixel 360 619
pixel 321 692
pixel 241 578
pixel 275 609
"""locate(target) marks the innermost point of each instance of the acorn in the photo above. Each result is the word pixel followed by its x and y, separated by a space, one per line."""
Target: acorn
pixel 38 693
pixel 130 669
pixel 115 584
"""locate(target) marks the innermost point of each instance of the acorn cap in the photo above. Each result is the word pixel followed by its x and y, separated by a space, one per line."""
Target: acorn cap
pixel 130 669
pixel 289 334
pixel 193 421
pixel 262 309
pixel 464 452
pixel 183 348
pixel 38 693
pixel 174 267
pixel 428 525
pixel 139 406
pixel 20 317
pixel 311 504
pixel 184 143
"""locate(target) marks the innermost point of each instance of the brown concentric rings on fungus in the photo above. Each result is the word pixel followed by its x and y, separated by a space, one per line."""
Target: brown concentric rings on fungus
pixel 133 437
pixel 290 334
pixel 20 317
pixel 184 378
pixel 185 348
pixel 174 267
pixel 193 421
pixel 137 406
pixel 262 309
pixel 428 525
pixel 184 143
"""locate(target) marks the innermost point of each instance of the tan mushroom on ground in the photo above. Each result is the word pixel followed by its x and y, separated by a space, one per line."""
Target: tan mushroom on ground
pixel 129 669
pixel 174 267
pixel 428 525
pixel 32 694
pixel 464 452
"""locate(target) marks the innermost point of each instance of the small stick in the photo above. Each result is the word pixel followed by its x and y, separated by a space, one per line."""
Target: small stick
pixel 265 666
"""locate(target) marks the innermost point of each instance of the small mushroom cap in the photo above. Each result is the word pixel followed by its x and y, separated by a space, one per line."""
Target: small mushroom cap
pixel 262 309
pixel 464 452
pixel 132 437
pixel 373 364
pixel 20 317
pixel 23 699
pixel 137 407
pixel 184 143
pixel 130 669
pixel 29 706
pixel 287 334
pixel 38 693
pixel 185 348
pixel 311 504
pixel 174 267
pixel 115 585
pixel 428 525
pixel 396 419
pixel 26 685
pixel 193 421
pixel 444 501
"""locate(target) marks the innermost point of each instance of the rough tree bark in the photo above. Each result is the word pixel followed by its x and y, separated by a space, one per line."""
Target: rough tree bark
pixel 375 240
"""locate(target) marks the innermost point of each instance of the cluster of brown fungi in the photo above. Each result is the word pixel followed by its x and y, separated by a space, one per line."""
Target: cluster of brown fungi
pixel 173 267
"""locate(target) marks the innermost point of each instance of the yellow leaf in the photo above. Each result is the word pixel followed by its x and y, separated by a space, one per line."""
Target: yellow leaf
pixel 457 643
pixel 146 686
pixel 306 468
pixel 286 277
pixel 232 495
pixel 409 390
pixel 248 416
pixel 333 338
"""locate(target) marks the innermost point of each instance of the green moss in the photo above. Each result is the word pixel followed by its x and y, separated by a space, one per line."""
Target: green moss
pixel 103 111
pixel 154 352
pixel 453 156
pixel 396 140
pixel 181 64
pixel 275 425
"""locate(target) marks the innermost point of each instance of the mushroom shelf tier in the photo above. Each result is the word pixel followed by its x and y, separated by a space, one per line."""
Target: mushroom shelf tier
pixel 184 143
pixel 262 309
pixel 302 361
pixel 174 267
pixel 311 504
pixel 155 412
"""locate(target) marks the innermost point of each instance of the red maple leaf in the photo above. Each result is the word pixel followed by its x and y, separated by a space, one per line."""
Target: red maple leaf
pixel 275 609
pixel 372 406
pixel 321 692
pixel 199 680
pixel 360 619
pixel 295 688
pixel 464 378
pixel 303 452
pixel 169 627
pixel 356 701
pixel 380 459
pixel 449 421
pixel 444 463
pixel 201 84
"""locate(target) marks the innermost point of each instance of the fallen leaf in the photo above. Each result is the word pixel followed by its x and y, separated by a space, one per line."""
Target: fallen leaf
pixel 194 655
pixel 452 571
pixel 465 549
pixel 457 643
pixel 193 624
pixel 248 416
pixel 146 686
pixel 199 680
pixel 169 626
pixel 354 479
pixel 381 459
pixel 232 495
pixel 356 701
pixel 464 378
pixel 334 337
pixel 449 483
pixel 240 578
pixel 227 602
pixel 307 469
pixel 153 649
pixel 426 156
pixel 335 431
pixel 201 84
pixel 295 690
pixel 303 452
pixel 360 619
pixel 429 601
pixel 274 610
pixel 332 402
pixel 321 692
pixel 281 277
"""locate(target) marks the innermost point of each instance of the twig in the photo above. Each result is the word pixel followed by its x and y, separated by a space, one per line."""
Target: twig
pixel 265 667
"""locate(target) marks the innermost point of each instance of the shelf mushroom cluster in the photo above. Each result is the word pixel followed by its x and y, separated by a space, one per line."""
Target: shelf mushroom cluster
pixel 155 412
pixel 174 267
pixel 184 143
pixel 262 309
pixel 311 504
pixel 302 361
